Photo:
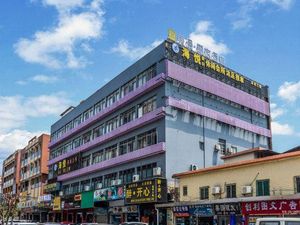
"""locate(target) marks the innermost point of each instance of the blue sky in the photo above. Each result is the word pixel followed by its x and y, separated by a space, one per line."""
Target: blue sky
pixel 55 53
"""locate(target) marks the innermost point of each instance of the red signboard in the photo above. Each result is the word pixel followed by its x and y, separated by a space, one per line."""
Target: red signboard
pixel 271 207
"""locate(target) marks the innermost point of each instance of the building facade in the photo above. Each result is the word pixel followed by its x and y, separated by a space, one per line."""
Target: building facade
pixel 11 174
pixel 170 111
pixel 240 191
pixel 34 203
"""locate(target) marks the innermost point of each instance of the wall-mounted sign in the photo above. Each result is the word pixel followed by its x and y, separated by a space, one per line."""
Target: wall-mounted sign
pixel 77 197
pixel 204 58
pixel 111 193
pixel 57 204
pixel 275 207
pixel 52 187
pixel 201 210
pixel 45 198
pixel 227 208
pixel 154 190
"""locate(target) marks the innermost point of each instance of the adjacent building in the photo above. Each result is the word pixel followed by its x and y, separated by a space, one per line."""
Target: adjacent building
pixel 250 184
pixel 173 110
pixel 11 174
pixel 34 204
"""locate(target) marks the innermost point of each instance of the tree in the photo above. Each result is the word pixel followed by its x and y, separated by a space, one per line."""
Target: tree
pixel 8 207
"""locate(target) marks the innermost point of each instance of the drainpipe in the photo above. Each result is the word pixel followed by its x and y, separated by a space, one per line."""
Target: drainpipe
pixel 157 216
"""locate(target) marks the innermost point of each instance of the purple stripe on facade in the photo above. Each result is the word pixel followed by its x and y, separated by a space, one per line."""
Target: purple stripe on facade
pixel 200 110
pixel 126 128
pixel 206 83
pixel 132 156
pixel 150 85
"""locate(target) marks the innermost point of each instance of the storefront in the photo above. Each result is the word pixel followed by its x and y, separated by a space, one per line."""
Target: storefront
pixel 146 193
pixel 228 213
pixel 181 215
pixel 254 209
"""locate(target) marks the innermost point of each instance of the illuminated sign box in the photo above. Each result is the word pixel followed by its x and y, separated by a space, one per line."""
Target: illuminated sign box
pixel 147 191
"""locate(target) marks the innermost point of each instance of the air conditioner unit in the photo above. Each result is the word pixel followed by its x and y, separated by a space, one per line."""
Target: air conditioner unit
pixel 87 187
pixel 136 178
pixel 246 190
pixel 216 190
pixel 157 171
pixel 113 182
pixel 118 182
pixel 61 193
pixel 217 147
pixel 99 185
pixel 193 167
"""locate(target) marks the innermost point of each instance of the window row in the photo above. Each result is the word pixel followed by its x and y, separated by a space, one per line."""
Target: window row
pixel 124 177
pixel 121 92
pixel 125 117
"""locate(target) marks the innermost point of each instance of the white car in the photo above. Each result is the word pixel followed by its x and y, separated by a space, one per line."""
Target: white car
pixel 277 221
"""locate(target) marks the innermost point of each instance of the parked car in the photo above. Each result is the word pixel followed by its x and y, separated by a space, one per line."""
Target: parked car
pixel 277 221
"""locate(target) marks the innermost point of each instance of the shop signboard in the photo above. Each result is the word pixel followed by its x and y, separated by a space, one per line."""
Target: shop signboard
pixel 57 204
pixel 201 210
pixel 181 211
pixel 77 197
pixel 87 200
pixel 227 208
pixel 45 198
pixel 147 191
pixel 52 187
pixel 272 207
pixel 100 195
pixel 115 193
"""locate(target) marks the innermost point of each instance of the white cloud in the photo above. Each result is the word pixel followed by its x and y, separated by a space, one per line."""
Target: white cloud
pixel 125 49
pixel 16 110
pixel 242 18
pixel 282 129
pixel 203 35
pixel 41 78
pixel 55 47
pixel 289 91
pixel 276 111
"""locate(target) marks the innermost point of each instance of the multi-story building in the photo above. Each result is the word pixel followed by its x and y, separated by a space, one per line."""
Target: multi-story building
pixel 33 177
pixel 172 110
pixel 0 185
pixel 250 184
pixel 11 173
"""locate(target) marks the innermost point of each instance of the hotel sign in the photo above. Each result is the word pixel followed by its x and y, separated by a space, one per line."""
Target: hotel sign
pixel 204 58
pixel 147 191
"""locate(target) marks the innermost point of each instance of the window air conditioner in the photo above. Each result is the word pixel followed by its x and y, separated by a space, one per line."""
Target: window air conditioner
pixel 113 182
pixel 99 185
pixel 118 182
pixel 136 178
pixel 216 190
pixel 87 187
pixel 157 171
pixel 217 147
pixel 246 190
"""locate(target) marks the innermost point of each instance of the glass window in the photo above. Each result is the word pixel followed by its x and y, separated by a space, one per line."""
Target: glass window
pixel 269 223
pixel 262 187
pixel 126 146
pixel 98 156
pixel 222 144
pixel 146 139
pixel 87 137
pixel 184 190
pixel 111 152
pixel 146 75
pixel 69 126
pixel 112 98
pixel 292 222
pixel 77 121
pixel 112 124
pixel 231 190
pixel 128 87
pixel 87 114
pixel 99 131
pixel 297 184
pixel 147 106
pixel 204 193
pixel 127 116
pixel 86 161
pixel 100 106
pixel 77 142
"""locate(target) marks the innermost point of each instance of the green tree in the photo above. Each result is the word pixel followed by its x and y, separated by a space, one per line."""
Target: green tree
pixel 8 207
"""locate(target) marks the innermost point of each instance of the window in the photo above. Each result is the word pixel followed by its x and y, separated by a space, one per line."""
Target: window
pixel 112 124
pixel 77 142
pixel 262 187
pixel 126 146
pixel 233 150
pixel 111 152
pixel 126 175
pixel 146 75
pixel 128 87
pixel 231 190
pixel 77 121
pixel 87 137
pixel 146 139
pixel 147 106
pixel 86 161
pixel 87 114
pixel 108 178
pixel 204 193
pixel 222 144
pixel 184 190
pixel 146 171
pixel 112 98
pixel 127 116
pixel 98 156
pixel 99 131
pixel 96 181
pixel 297 184
pixel 69 126
pixel 100 106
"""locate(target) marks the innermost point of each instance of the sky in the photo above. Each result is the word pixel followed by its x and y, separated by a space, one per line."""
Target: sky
pixel 55 53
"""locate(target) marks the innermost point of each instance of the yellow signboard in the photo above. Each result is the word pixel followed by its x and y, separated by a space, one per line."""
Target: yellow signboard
pixel 57 204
